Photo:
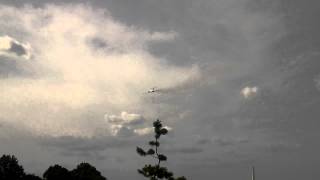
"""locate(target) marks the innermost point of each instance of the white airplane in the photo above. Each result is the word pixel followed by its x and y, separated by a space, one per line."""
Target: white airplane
pixel 153 90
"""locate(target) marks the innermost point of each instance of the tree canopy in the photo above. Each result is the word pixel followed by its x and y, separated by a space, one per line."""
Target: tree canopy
pixel 31 177
pixel 57 172
pixel 11 170
pixel 85 171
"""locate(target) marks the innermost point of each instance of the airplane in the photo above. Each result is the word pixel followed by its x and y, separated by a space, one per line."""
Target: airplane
pixel 153 90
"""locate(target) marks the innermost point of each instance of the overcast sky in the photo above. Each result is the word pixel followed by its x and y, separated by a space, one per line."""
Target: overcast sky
pixel 238 81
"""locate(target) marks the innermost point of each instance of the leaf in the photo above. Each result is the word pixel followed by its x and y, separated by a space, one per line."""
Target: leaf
pixel 151 152
pixel 154 143
pixel 157 124
pixel 141 152
pixel 163 131
pixel 162 157
pixel 157 136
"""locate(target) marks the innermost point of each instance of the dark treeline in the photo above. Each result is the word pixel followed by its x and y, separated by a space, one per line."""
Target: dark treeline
pixel 11 170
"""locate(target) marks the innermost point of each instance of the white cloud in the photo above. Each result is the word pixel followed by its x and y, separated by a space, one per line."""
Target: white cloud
pixel 249 91
pixel 11 47
pixel 127 124
pixel 125 118
pixel 148 130
pixel 144 131
pixel 71 76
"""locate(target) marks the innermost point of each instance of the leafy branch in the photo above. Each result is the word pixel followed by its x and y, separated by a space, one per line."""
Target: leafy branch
pixel 155 172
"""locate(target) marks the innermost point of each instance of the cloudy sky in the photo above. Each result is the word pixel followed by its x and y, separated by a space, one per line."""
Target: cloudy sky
pixel 238 81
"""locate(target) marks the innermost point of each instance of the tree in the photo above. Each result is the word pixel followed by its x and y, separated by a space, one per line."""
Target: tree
pixel 10 168
pixel 31 177
pixel 57 172
pixel 155 172
pixel 85 171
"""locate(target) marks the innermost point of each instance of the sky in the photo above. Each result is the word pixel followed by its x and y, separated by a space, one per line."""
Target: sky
pixel 238 85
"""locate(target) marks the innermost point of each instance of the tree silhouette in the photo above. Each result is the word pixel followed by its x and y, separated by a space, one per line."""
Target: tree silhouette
pixel 57 172
pixel 10 168
pixel 31 177
pixel 85 171
pixel 155 172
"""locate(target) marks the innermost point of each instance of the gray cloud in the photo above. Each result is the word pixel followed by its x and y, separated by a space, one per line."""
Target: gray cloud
pixel 184 150
pixel 17 49
pixel 282 147
pixel 228 142
pixel 73 144
pixel 236 44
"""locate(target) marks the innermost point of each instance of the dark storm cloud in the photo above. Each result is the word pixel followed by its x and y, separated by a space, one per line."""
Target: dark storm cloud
pixel 280 124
